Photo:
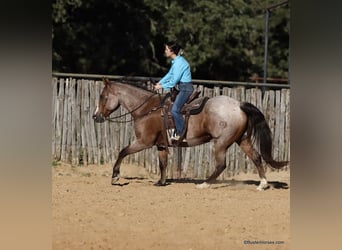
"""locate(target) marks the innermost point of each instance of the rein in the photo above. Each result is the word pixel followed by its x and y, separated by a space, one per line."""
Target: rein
pixel 112 119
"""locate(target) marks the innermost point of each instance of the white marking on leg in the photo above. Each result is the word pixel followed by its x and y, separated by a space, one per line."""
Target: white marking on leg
pixel 263 184
pixel 115 179
pixel 203 185
pixel 97 109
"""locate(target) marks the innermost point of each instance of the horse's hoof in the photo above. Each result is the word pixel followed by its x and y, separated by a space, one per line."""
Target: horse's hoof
pixel 160 184
pixel 203 185
pixel 263 185
pixel 115 179
pixel 262 188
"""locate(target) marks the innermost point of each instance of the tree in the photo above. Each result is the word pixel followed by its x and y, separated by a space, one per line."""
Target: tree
pixel 225 39
pixel 106 37
pixel 222 39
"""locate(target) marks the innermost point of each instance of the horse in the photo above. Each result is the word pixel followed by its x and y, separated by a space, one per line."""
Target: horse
pixel 223 121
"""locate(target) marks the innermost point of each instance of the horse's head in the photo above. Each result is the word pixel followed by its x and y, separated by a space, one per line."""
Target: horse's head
pixel 108 102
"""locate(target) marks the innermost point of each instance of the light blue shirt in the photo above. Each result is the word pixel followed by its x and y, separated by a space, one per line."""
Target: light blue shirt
pixel 179 72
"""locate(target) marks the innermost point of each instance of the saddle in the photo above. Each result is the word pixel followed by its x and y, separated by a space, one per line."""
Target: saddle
pixel 193 106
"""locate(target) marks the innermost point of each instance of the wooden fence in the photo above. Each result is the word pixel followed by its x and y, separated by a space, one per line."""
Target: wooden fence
pixel 78 140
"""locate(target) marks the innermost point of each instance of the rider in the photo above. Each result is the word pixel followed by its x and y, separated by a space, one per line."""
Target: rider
pixel 179 74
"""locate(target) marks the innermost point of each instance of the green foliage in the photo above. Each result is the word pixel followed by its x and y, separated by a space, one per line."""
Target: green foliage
pixel 55 163
pixel 222 39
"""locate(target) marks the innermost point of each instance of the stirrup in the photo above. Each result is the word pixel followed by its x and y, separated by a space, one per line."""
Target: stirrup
pixel 171 133
pixel 177 138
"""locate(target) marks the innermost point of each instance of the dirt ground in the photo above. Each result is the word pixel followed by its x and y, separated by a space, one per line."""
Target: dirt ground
pixel 89 213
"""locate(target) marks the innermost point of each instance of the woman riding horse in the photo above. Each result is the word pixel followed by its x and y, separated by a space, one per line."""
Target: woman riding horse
pixel 223 120
pixel 180 75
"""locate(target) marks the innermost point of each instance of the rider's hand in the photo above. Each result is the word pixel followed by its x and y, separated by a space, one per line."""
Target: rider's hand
pixel 158 86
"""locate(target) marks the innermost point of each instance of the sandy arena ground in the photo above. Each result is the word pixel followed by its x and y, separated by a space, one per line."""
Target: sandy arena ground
pixel 90 213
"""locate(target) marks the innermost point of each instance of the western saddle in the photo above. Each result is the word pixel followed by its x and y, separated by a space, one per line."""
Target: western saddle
pixel 194 105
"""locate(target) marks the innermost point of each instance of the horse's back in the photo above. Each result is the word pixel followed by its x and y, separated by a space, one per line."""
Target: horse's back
pixel 223 106
pixel 221 115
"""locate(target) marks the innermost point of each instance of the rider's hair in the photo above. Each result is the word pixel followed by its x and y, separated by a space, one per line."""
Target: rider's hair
pixel 175 47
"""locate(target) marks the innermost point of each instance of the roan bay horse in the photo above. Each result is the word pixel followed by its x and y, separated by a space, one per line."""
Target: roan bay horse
pixel 223 120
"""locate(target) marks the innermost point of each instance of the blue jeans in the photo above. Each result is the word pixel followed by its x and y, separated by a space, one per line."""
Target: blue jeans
pixel 185 90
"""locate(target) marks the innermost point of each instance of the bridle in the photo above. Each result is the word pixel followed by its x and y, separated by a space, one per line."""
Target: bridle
pixel 113 119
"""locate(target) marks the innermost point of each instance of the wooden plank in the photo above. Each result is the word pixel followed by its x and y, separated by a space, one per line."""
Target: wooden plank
pixel 99 129
pixel 54 84
pixel 216 91
pixel 253 97
pixel 282 125
pixel 201 88
pixel 271 111
pixel 202 161
pixel 86 111
pixel 58 136
pixel 258 94
pixel 241 158
pixel 69 123
pixel 118 134
pixel 60 117
pixel 277 131
pixel 226 91
pixel 247 96
pixel 265 104
pixel 208 147
pixel 73 99
pixel 122 131
pixel 231 150
pixel 78 122
pixel 155 161
pixel 85 128
pixel 65 122
pixel 241 94
pixel 107 138
pixel 92 131
pixel 115 139
pixel 287 127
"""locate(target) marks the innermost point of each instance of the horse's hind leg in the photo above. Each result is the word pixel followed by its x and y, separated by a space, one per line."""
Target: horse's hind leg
pixel 247 147
pixel 220 158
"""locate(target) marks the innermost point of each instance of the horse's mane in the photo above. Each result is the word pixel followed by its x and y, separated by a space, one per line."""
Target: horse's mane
pixel 139 84
pixel 141 87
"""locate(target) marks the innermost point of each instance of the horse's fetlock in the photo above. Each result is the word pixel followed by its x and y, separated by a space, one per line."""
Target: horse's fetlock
pixel 115 179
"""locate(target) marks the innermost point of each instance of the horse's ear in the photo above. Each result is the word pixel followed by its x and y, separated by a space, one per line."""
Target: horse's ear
pixel 105 81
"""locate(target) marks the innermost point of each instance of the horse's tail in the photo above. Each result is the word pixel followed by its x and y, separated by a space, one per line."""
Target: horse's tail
pixel 259 130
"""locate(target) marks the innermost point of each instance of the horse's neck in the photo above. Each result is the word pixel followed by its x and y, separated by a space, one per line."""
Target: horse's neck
pixel 135 100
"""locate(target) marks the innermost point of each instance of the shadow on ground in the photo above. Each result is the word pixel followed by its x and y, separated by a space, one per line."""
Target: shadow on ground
pixel 217 184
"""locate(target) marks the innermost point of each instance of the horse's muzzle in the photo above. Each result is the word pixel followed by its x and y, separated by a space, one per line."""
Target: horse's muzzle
pixel 98 118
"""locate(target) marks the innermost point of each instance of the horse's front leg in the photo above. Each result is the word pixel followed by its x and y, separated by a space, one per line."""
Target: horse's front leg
pixel 163 156
pixel 130 149
pixel 116 168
